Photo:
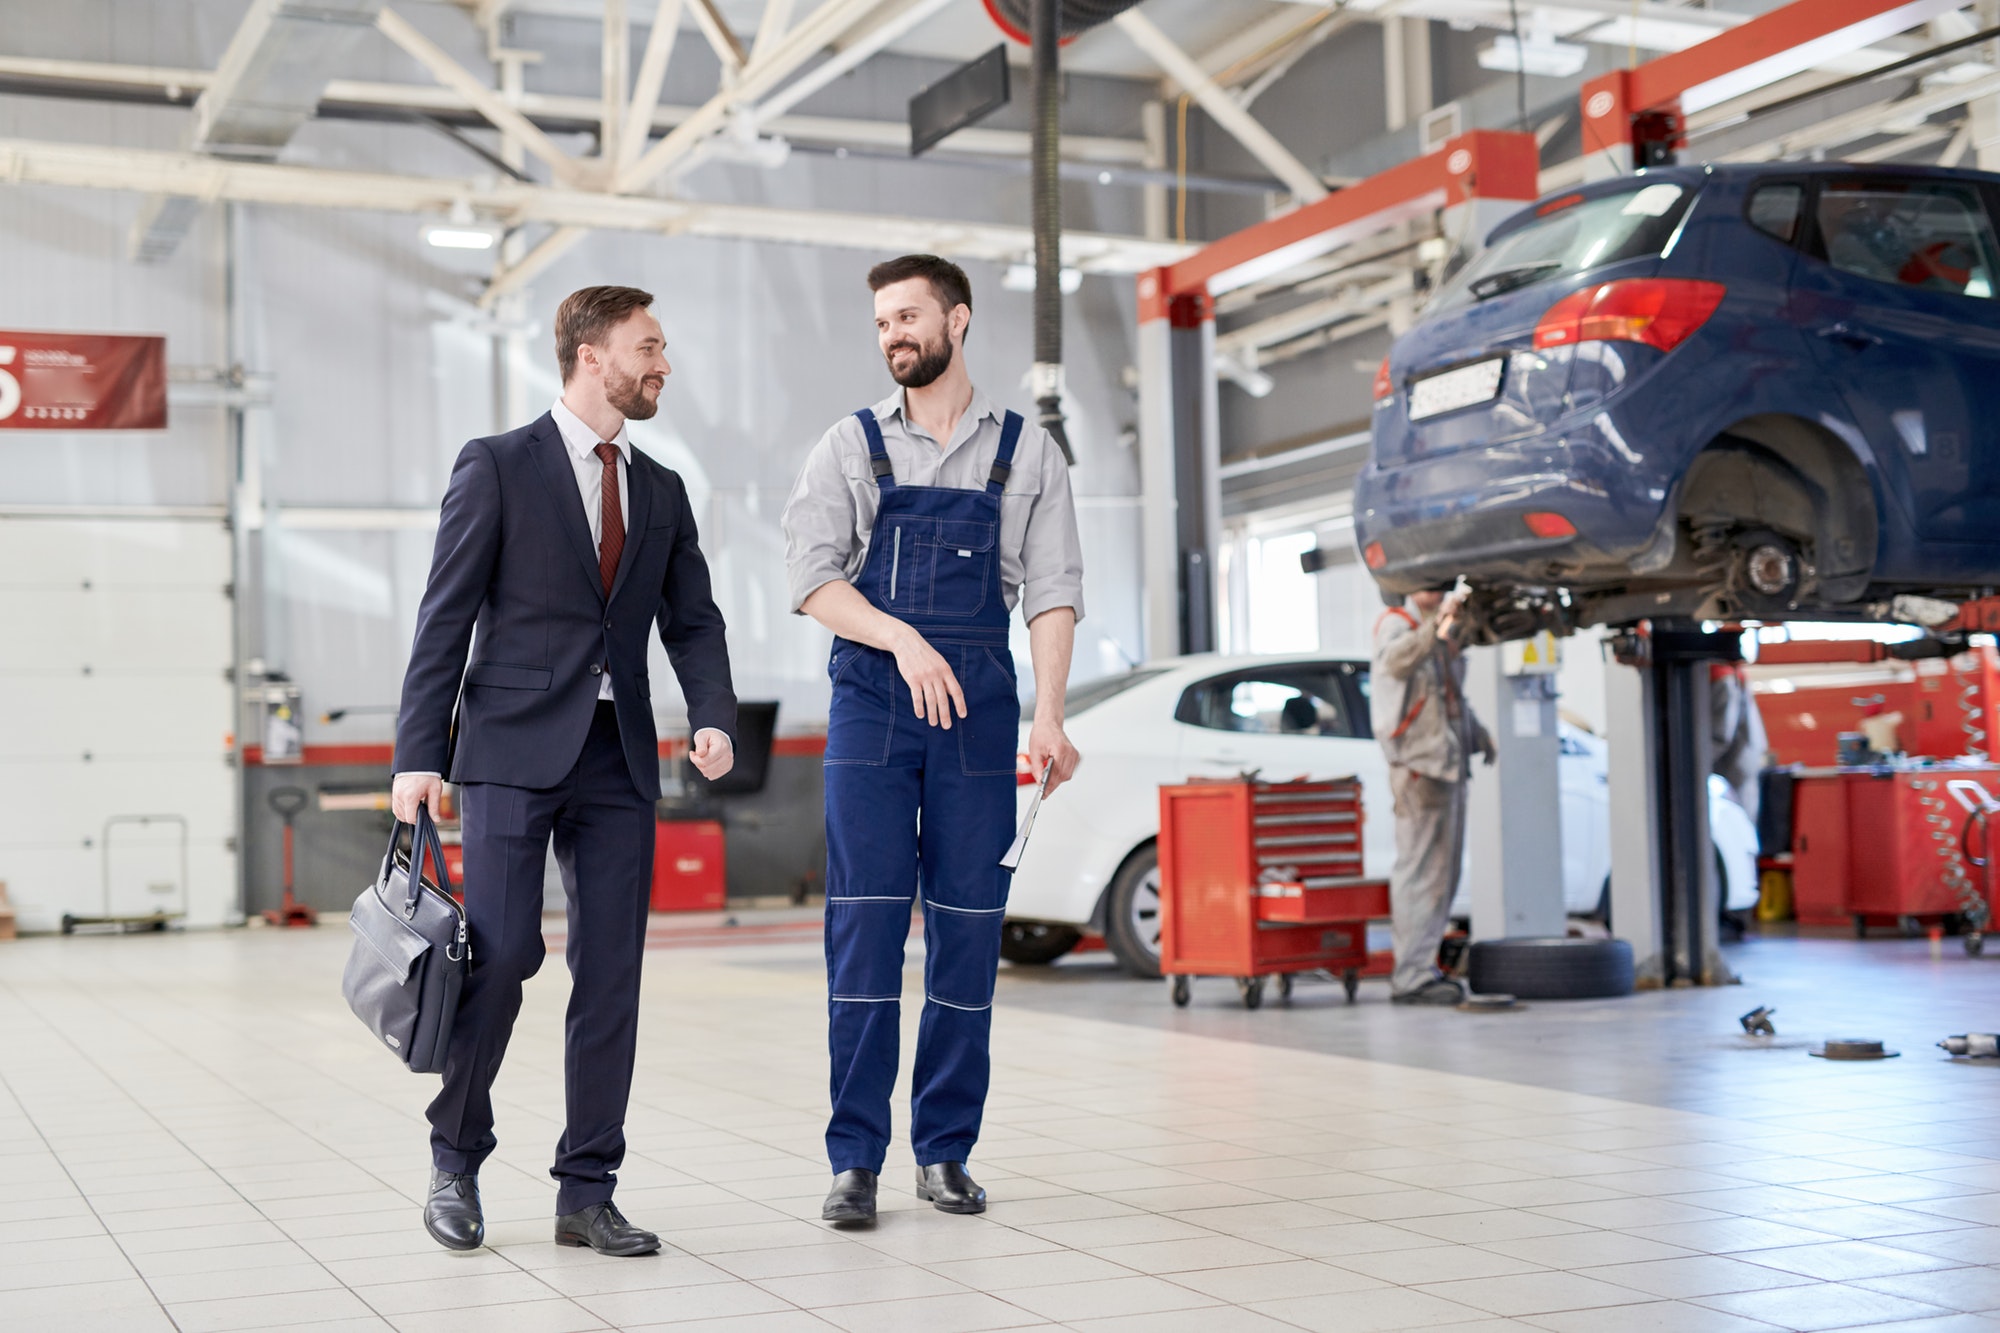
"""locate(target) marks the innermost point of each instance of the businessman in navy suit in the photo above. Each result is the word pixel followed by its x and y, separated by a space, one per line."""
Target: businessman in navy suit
pixel 559 547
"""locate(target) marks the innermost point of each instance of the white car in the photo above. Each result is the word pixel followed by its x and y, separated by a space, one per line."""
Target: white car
pixel 1092 866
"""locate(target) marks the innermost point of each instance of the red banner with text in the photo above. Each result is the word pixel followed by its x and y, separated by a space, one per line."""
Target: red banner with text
pixel 82 381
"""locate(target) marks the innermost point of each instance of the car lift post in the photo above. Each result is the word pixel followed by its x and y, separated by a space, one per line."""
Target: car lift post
pixel 1665 895
pixel 1473 181
pixel 1634 118
pixel 1514 809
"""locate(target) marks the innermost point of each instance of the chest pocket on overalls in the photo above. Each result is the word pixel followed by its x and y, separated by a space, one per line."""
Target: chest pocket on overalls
pixel 959 553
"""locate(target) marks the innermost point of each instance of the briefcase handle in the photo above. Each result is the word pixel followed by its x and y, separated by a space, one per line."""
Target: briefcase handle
pixel 423 839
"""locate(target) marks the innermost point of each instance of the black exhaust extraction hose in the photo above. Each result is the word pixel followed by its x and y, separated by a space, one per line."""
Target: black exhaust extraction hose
pixel 1045 85
pixel 1047 24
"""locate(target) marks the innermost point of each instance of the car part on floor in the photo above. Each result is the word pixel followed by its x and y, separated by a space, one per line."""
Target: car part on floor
pixel 1852 1048
pixel 1758 1021
pixel 1037 943
pixel 1977 1045
pixel 1552 968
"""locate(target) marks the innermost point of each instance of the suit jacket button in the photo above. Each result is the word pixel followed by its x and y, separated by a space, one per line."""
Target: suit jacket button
pixel 596 670
pixel 607 624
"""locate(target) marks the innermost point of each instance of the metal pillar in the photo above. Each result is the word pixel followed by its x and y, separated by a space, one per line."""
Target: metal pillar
pixel 1514 809
pixel 1665 902
pixel 1635 827
pixel 1178 461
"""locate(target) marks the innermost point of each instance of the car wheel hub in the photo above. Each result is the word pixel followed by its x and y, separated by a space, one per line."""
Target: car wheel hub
pixel 1769 569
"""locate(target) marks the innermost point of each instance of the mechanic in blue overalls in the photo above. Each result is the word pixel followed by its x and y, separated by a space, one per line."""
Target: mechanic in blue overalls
pixel 914 529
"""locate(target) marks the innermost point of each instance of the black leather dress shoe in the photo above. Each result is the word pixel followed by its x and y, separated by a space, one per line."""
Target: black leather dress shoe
pixel 851 1201
pixel 604 1229
pixel 950 1189
pixel 451 1213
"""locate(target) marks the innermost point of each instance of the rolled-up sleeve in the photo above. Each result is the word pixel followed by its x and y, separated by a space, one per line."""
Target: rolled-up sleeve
pixel 819 522
pixel 1052 551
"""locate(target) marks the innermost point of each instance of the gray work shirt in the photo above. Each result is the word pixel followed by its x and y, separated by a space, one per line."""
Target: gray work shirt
pixel 831 513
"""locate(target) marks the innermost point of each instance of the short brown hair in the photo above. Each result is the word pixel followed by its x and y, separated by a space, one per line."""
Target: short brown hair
pixel 947 280
pixel 586 316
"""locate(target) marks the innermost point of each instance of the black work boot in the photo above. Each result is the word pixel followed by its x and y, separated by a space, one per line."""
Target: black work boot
pixel 451 1213
pixel 949 1189
pixel 851 1201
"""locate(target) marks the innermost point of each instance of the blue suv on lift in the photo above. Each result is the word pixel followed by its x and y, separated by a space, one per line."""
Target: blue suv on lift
pixel 1768 391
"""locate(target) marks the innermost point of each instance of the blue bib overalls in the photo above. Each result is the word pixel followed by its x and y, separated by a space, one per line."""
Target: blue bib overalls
pixel 913 809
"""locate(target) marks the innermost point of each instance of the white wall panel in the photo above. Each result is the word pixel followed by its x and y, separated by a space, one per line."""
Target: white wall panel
pixel 114 702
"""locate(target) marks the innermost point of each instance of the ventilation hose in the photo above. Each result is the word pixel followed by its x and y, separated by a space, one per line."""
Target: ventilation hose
pixel 1046 152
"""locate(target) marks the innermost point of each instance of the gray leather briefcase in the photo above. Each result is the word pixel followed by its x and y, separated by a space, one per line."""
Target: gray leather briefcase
pixel 410 954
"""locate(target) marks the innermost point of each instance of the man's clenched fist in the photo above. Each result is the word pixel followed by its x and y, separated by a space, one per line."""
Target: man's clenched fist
pixel 411 790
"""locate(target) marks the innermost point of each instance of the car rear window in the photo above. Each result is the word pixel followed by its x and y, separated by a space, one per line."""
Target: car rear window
pixel 1571 237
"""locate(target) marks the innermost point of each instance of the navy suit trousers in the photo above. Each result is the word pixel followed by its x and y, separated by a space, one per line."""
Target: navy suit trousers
pixel 603 831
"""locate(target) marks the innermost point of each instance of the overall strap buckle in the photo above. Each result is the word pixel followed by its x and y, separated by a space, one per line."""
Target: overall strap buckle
pixel 1003 462
pixel 878 452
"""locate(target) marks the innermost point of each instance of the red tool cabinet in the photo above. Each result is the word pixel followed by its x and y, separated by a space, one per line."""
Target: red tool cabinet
pixel 1260 879
pixel 1875 846
pixel 689 867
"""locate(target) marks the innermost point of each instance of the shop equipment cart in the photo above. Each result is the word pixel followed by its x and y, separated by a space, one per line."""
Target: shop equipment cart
pixel 160 918
pixel 1264 879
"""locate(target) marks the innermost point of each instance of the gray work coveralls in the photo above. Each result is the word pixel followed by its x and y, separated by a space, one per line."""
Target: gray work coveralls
pixel 1428 734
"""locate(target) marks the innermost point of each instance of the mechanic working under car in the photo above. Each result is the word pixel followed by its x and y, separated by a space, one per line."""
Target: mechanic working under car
pixel 915 527
pixel 1428 733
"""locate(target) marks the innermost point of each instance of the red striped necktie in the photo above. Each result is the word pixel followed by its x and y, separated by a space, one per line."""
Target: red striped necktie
pixel 611 542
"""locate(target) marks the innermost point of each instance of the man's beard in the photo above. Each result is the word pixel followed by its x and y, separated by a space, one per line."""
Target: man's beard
pixel 627 393
pixel 931 362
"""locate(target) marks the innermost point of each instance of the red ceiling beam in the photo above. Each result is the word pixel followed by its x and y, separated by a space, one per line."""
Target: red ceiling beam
pixel 1485 164
pixel 1642 107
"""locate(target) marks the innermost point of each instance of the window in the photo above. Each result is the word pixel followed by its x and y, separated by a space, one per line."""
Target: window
pixel 1305 700
pixel 1776 209
pixel 1931 235
pixel 1569 236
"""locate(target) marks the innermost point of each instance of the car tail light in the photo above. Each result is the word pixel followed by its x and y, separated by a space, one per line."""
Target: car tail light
pixel 1544 524
pixel 1024 771
pixel 1385 386
pixel 1660 312
pixel 1374 556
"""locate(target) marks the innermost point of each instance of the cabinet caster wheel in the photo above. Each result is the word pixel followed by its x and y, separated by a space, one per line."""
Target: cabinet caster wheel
pixel 1975 945
pixel 1284 988
pixel 1180 992
pixel 1253 991
pixel 1860 927
pixel 1350 981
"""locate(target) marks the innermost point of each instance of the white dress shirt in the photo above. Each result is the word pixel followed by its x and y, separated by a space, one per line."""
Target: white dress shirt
pixel 582 442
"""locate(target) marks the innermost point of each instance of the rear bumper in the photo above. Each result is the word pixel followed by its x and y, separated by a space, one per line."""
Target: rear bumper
pixel 1466 513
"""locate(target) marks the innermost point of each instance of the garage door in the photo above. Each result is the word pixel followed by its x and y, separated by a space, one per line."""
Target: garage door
pixel 115 712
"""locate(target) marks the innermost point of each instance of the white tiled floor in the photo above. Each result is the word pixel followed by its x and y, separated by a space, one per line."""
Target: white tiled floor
pixel 195 1135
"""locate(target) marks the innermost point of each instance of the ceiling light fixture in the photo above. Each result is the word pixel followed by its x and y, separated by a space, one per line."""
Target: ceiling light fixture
pixel 462 231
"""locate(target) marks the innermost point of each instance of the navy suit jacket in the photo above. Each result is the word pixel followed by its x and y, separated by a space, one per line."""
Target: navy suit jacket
pixel 514 560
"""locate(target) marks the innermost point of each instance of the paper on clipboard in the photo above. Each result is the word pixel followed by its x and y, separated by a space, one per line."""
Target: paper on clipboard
pixel 1012 860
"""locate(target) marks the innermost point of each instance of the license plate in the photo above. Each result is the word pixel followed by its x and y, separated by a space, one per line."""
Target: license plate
pixel 1463 387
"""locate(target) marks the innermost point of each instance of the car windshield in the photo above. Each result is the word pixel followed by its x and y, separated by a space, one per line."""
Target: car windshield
pixel 1091 693
pixel 1572 235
